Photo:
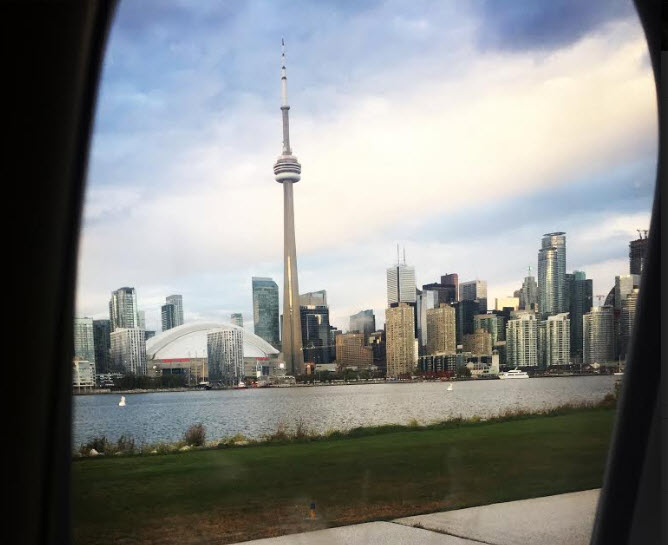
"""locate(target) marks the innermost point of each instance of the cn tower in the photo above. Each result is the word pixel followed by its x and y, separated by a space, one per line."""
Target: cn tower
pixel 288 172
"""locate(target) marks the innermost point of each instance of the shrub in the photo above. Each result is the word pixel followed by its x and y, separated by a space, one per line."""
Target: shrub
pixel 125 444
pixel 195 435
pixel 100 444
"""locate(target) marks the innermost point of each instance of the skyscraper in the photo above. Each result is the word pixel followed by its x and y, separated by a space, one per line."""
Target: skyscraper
pixel 451 283
pixel 626 322
pixel 313 298
pixel 598 333
pixel 351 351
pixel 580 292
pixel 363 322
pixel 492 324
pixel 522 341
pixel 474 290
pixel 288 172
pixel 177 301
pixel 401 344
pixel 465 312
pixel 557 339
pixel 225 355
pixel 552 274
pixel 529 293
pixel 237 318
pixel 401 283
pixel 168 315
pixel 637 253
pixel 84 340
pixel 426 299
pixel 141 319
pixel 265 310
pixel 315 330
pixel 128 350
pixel 102 342
pixel 441 330
pixel 123 309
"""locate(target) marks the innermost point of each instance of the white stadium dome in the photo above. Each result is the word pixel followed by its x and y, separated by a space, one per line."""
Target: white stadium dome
pixel 189 341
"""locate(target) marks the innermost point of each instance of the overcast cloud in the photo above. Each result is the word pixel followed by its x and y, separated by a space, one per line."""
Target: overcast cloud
pixel 462 131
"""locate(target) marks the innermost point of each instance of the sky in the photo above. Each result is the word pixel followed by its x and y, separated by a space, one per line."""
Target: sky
pixel 462 131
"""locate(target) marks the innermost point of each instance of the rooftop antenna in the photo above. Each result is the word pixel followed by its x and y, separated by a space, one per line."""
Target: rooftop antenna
pixel 645 231
pixel 398 261
pixel 404 255
pixel 529 270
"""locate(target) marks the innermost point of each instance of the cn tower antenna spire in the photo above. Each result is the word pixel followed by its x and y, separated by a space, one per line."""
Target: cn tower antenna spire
pixel 284 103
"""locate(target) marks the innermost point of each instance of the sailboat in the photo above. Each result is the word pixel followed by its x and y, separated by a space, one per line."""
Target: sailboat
pixel 121 403
pixel 449 388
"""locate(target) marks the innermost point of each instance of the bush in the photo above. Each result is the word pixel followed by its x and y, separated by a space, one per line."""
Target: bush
pixel 101 444
pixel 125 444
pixel 195 435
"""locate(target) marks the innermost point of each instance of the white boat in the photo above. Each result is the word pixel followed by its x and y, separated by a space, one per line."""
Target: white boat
pixel 121 403
pixel 449 387
pixel 515 373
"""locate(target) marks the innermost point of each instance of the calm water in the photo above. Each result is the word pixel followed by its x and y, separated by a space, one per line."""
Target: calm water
pixel 255 412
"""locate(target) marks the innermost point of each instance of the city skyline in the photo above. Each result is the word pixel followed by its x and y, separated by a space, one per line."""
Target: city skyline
pixel 584 177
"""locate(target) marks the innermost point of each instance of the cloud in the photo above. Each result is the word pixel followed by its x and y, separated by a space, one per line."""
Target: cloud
pixel 406 133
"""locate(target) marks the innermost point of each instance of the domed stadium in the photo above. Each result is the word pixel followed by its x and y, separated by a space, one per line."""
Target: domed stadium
pixel 183 350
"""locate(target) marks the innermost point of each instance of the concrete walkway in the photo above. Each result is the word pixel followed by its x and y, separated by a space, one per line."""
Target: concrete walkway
pixel 551 520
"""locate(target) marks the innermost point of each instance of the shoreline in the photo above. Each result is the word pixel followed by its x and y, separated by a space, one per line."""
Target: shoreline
pixel 106 391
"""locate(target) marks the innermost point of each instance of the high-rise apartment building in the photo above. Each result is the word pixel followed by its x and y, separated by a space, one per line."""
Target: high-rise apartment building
pixel 474 290
pixel 352 352
pixel 84 339
pixel 558 339
pixel 177 301
pixel 315 298
pixel 265 310
pixel 598 331
pixel 225 355
pixel 401 284
pixel 426 299
pixel 141 319
pixel 128 351
pixel 552 274
pixel 580 292
pixel 624 285
pixel 316 334
pixel 236 318
pixel 441 330
pixel 102 343
pixel 478 343
pixel 168 315
pixel 465 312
pixel 363 322
pixel 123 309
pixel 522 341
pixel 637 254
pixel 529 293
pixel 377 343
pixel 492 325
pixel 506 302
pixel 401 344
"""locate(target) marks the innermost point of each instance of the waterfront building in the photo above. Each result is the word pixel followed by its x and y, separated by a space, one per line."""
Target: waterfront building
pixel 465 312
pixel 401 344
pixel 441 330
pixel 479 343
pixel 123 309
pixel 552 274
pixel 529 293
pixel 363 322
pixel 84 339
pixel 628 313
pixel 580 295
pixel 315 298
pixel 474 290
pixel 401 284
pixel 522 341
pixel 506 302
pixel 177 301
pixel 102 344
pixel 128 351
pixel 316 334
pixel 287 171
pixel 451 283
pixel 637 254
pixel 83 374
pixel 598 330
pixel 557 339
pixel 167 313
pixel 426 299
pixel 236 318
pixel 265 310
pixel 351 352
pixel 491 324
pixel 225 355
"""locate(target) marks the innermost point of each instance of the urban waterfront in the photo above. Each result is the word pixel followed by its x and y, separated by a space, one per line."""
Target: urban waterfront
pixel 164 416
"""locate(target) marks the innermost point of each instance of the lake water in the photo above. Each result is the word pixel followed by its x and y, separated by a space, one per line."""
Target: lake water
pixel 165 416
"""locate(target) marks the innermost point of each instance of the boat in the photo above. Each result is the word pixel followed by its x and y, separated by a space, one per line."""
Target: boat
pixel 515 373
pixel 449 387
pixel 121 403
pixel 241 385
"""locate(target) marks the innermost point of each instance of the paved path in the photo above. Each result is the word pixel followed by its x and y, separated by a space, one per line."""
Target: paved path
pixel 550 520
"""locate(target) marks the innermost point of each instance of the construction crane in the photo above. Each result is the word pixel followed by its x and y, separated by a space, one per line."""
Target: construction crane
pixel 642 232
pixel 599 297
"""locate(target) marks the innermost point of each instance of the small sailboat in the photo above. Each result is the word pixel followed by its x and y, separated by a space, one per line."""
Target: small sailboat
pixel 121 403
pixel 449 388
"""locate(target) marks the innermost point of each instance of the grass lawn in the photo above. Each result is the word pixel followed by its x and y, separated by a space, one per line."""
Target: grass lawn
pixel 229 495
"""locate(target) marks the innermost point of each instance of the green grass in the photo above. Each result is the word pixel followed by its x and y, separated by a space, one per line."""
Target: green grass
pixel 229 495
